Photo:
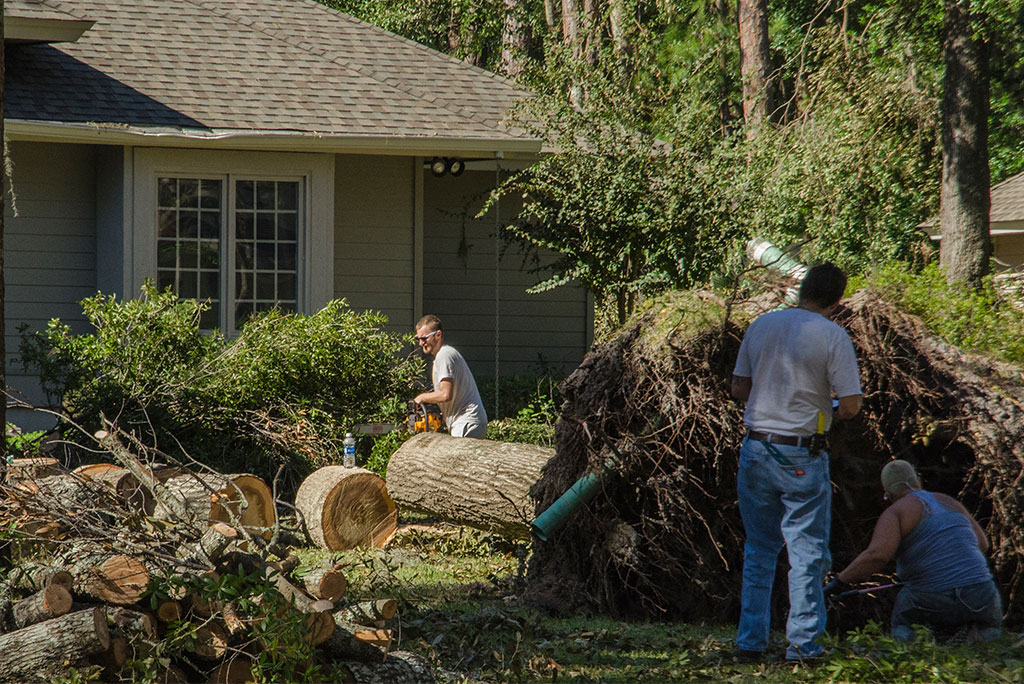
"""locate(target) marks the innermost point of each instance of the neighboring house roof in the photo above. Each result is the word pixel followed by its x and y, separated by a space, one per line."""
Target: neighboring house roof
pixel 215 69
pixel 1006 213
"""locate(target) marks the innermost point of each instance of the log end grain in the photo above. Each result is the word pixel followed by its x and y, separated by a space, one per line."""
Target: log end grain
pixel 346 508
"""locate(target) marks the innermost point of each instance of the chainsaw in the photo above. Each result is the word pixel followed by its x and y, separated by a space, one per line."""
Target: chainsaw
pixel 419 418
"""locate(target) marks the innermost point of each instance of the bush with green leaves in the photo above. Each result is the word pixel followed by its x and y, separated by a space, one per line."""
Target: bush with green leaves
pixel 285 391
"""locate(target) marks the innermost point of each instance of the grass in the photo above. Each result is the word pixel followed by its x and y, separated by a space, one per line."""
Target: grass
pixel 458 591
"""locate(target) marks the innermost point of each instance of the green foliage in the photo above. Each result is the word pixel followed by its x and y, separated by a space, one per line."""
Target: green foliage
pixel 23 445
pixel 286 390
pixel 382 449
pixel 984 321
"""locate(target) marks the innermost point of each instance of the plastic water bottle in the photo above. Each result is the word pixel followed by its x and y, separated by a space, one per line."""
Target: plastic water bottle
pixel 349 454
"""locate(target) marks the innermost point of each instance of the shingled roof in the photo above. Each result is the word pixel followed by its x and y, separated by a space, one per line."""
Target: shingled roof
pixel 213 69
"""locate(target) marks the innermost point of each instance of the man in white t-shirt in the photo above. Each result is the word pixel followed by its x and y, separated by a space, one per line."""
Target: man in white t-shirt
pixel 454 387
pixel 790 365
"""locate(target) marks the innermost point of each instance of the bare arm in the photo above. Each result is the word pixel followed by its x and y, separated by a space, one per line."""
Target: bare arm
pixel 884 542
pixel 441 394
pixel 740 387
pixel 849 406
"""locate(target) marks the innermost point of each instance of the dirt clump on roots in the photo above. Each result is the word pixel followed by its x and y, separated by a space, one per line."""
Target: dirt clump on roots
pixel 650 409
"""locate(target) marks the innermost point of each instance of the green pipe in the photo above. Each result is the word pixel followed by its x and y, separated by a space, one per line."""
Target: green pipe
pixel 767 254
pixel 582 491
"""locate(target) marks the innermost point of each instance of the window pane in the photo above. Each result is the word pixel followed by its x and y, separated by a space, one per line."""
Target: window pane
pixel 164 280
pixel 265 194
pixel 167 192
pixel 243 225
pixel 242 314
pixel 286 287
pixel 188 258
pixel 166 254
pixel 264 226
pixel 209 285
pixel 243 285
pixel 209 225
pixel 209 195
pixel 265 286
pixel 188 224
pixel 243 195
pixel 188 192
pixel 286 257
pixel 286 226
pixel 209 254
pixel 187 286
pixel 287 196
pixel 210 318
pixel 264 256
pixel 243 257
pixel 166 223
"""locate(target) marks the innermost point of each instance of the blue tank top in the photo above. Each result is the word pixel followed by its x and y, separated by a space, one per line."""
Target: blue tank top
pixel 942 551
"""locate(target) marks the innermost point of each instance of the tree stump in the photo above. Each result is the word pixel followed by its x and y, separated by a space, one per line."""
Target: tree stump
pixel 345 508
pixel 213 497
pixel 474 482
pixel 43 651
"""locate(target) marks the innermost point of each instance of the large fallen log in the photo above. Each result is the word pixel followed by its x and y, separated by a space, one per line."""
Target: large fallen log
pixel 401 667
pixel 43 651
pixel 345 508
pixel 474 482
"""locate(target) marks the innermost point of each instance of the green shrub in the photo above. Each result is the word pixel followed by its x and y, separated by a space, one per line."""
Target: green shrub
pixel 983 321
pixel 285 391
pixel 533 424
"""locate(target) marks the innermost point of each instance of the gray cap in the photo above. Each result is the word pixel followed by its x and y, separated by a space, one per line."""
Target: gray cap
pixel 897 475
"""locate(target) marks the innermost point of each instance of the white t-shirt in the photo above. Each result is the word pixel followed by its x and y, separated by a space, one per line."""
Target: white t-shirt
pixel 796 360
pixel 465 411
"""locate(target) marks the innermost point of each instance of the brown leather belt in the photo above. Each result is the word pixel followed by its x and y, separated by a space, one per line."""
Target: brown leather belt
pixel 787 440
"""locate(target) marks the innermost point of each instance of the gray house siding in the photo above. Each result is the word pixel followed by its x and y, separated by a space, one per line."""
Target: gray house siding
pixel 373 235
pixel 465 285
pixel 50 245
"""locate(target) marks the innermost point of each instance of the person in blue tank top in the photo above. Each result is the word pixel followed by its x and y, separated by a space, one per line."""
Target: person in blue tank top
pixel 940 559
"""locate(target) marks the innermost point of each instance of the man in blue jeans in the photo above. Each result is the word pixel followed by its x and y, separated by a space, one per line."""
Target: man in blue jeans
pixel 790 365
pixel 940 558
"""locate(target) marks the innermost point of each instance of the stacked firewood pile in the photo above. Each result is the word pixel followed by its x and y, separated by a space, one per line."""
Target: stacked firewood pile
pixel 650 413
pixel 120 566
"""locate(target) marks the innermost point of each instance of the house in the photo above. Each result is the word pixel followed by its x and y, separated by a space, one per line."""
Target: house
pixel 1006 224
pixel 260 153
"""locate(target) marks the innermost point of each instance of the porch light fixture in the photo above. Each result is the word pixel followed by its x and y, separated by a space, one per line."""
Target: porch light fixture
pixel 440 166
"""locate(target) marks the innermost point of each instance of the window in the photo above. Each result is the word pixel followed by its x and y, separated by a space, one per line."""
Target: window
pixel 264 240
pixel 246 230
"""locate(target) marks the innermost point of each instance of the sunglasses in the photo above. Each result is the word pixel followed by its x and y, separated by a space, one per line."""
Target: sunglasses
pixel 426 337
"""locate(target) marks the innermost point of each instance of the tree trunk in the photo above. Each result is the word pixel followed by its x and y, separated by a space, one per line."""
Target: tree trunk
pixel 371 613
pixel 549 16
pixel 755 63
pixel 513 40
pixel 571 26
pixel 329 584
pixel 130 622
pixel 345 508
pixel 34 576
pixel 345 643
pixel 401 667
pixel 234 499
pixel 966 243
pixel 4 548
pixel 43 651
pixel 473 482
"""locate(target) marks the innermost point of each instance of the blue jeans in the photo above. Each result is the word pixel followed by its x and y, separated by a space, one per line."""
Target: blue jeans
pixel 791 505
pixel 977 604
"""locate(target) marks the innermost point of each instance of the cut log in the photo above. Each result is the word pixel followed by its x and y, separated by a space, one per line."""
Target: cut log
pixel 32 469
pixel 345 643
pixel 130 622
pixel 34 576
pixel 211 498
pixel 474 482
pixel 169 610
pixel 122 481
pixel 401 667
pixel 114 658
pixel 371 613
pixel 232 621
pixel 52 601
pixel 346 508
pixel 237 670
pixel 42 651
pixel 104 576
pixel 217 538
pixel 329 584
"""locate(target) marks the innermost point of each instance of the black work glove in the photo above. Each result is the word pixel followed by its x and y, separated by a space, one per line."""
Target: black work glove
pixel 834 588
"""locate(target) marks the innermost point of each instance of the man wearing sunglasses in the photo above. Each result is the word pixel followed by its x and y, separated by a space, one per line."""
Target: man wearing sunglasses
pixel 454 387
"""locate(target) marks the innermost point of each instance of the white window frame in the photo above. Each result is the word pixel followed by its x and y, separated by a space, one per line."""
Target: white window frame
pixel 315 173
